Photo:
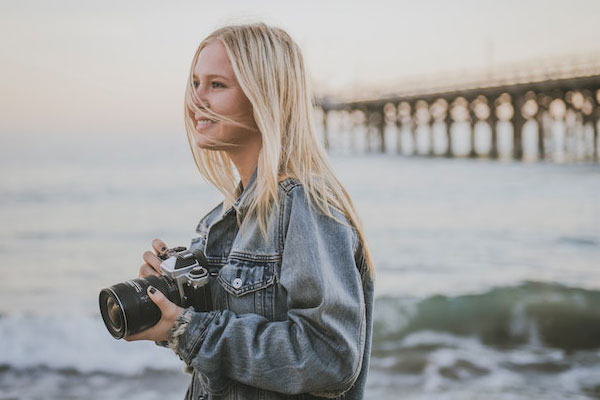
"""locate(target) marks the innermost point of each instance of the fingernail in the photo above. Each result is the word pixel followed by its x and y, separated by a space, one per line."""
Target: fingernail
pixel 152 289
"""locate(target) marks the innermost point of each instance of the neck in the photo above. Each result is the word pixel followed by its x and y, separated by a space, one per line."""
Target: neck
pixel 245 161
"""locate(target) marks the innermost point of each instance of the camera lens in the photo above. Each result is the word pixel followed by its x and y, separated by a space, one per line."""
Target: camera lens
pixel 126 308
pixel 114 314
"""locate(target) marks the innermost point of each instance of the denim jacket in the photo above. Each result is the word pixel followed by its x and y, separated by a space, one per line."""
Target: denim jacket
pixel 292 314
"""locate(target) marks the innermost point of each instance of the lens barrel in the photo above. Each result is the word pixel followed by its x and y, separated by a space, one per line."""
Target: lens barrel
pixel 126 307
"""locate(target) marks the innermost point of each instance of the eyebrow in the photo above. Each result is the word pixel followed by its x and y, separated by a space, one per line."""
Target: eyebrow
pixel 213 76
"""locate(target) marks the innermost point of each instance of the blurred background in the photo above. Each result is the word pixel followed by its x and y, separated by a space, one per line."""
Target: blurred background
pixel 466 132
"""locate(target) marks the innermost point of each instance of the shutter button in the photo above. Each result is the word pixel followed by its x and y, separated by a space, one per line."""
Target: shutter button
pixel 237 283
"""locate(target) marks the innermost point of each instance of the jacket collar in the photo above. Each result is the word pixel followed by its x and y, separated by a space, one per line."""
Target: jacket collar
pixel 242 201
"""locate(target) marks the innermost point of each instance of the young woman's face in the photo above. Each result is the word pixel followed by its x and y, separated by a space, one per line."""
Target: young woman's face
pixel 217 88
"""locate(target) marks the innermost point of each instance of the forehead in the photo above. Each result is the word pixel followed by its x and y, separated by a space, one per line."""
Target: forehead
pixel 213 59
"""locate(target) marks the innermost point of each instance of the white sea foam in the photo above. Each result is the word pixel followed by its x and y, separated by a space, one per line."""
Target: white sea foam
pixel 456 367
pixel 79 343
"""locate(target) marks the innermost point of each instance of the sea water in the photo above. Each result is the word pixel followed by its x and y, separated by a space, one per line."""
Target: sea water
pixel 487 272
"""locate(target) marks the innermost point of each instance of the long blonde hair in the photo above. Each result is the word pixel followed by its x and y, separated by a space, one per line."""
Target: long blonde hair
pixel 269 68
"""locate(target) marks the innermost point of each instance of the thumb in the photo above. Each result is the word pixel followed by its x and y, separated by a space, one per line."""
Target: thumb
pixel 159 299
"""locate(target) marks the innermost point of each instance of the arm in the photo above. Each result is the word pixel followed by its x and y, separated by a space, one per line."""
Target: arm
pixel 319 347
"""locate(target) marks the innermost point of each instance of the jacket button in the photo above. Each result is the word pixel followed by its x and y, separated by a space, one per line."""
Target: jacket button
pixel 237 283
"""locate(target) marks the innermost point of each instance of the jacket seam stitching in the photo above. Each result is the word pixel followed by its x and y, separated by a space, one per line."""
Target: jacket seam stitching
pixel 197 342
pixel 287 197
pixel 282 211
pixel 206 217
pixel 340 389
pixel 289 184
pixel 250 288
pixel 244 256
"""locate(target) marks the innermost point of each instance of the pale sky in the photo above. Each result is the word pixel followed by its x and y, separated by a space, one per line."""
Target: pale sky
pixel 119 67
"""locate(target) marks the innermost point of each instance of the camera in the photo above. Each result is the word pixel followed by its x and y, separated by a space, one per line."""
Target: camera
pixel 126 307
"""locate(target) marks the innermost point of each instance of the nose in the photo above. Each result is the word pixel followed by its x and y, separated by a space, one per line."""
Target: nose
pixel 202 99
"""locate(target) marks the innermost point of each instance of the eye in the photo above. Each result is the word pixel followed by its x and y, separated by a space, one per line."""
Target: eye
pixel 195 84
pixel 216 85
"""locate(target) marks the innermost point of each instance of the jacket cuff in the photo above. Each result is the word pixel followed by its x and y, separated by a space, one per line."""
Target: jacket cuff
pixel 187 334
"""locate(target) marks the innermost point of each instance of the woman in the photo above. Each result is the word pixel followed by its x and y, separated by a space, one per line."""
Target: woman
pixel 291 275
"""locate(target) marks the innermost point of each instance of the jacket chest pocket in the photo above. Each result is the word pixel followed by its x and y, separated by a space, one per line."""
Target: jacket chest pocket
pixel 248 287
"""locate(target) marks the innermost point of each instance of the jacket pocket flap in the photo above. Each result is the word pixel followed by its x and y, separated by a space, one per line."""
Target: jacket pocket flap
pixel 242 277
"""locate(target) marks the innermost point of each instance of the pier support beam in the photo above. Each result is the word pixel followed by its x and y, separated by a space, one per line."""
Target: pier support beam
pixel 518 122
pixel 493 120
pixel 448 121
pixel 541 134
pixel 398 134
pixel 379 122
pixel 472 121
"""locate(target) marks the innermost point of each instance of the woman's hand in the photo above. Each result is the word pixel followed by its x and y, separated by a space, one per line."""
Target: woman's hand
pixel 151 264
pixel 170 312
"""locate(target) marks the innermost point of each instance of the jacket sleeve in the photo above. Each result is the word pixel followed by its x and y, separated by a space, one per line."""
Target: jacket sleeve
pixel 319 348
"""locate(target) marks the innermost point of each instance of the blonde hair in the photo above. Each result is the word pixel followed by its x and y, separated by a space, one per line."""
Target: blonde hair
pixel 269 68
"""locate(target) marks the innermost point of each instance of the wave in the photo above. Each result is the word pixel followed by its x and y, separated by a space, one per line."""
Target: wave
pixel 545 314
pixel 542 315
pixel 76 344
pixel 579 240
pixel 534 340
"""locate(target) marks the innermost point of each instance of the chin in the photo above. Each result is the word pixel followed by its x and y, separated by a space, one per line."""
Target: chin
pixel 202 142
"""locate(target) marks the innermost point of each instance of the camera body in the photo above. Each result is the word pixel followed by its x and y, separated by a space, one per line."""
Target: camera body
pixel 184 269
pixel 126 307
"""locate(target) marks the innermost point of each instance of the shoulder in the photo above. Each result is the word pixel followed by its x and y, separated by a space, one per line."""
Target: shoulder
pixel 293 194
pixel 293 191
pixel 209 218
pixel 288 185
pixel 298 207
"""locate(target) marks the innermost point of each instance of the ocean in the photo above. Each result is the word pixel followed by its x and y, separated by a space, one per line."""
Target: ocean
pixel 487 272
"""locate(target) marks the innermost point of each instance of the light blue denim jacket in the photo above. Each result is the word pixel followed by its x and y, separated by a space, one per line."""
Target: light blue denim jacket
pixel 292 314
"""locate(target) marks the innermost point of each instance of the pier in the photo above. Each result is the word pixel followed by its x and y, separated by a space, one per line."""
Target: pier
pixel 528 113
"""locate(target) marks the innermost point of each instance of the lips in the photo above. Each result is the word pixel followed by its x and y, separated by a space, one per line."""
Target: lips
pixel 203 123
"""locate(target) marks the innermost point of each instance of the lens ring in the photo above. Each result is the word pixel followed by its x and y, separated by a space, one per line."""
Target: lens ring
pixel 114 314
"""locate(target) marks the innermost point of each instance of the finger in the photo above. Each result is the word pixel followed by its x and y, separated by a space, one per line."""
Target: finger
pixel 146 270
pixel 152 260
pixel 143 335
pixel 159 246
pixel 137 336
pixel 156 332
pixel 165 305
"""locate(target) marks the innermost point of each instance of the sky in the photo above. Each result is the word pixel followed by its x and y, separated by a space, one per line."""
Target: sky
pixel 119 68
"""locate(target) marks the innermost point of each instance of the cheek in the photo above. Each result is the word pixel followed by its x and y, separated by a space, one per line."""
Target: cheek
pixel 248 115
pixel 242 107
pixel 236 107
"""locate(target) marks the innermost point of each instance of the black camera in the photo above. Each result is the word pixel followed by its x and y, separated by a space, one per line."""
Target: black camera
pixel 126 307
